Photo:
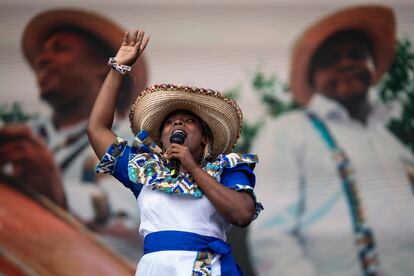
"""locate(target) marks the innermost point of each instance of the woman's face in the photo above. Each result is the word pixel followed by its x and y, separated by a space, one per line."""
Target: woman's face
pixel 191 125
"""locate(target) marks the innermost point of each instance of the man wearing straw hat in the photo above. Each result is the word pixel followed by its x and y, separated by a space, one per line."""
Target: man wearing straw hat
pixel 68 51
pixel 336 179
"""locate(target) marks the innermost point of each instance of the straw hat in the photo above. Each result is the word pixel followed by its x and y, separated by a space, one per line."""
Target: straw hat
pixel 42 26
pixel 377 22
pixel 221 114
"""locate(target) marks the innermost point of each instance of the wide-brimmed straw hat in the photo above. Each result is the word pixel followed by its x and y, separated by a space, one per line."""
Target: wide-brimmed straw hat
pixel 376 21
pixel 221 114
pixel 45 23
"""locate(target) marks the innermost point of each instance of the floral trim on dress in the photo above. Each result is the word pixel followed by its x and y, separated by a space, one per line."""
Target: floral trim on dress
pixel 202 264
pixel 147 166
pixel 150 169
pixel 229 161
pixel 258 206
pixel 108 162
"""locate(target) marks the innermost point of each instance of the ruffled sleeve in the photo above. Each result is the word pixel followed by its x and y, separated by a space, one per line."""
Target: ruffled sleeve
pixel 238 175
pixel 115 162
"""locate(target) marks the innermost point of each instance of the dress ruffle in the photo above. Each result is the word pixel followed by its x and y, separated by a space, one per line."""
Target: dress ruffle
pixel 147 166
pixel 108 161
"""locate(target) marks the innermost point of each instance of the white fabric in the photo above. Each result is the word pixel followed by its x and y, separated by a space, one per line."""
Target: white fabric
pixel 161 211
pixel 79 193
pixel 306 227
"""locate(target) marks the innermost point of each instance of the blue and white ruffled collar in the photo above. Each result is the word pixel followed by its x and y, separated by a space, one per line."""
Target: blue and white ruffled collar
pixel 147 166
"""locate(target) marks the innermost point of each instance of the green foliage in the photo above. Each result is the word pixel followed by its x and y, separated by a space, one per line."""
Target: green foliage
pixel 233 93
pixel 267 88
pixel 249 130
pixel 14 114
pixel 248 134
pixel 397 86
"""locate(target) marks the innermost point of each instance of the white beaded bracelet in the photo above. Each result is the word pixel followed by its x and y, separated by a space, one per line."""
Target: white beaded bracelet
pixel 123 69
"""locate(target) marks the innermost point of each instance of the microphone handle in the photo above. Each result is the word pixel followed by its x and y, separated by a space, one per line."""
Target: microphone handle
pixel 175 167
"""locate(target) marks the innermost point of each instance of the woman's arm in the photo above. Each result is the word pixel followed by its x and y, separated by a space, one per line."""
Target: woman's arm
pixel 237 207
pixel 102 115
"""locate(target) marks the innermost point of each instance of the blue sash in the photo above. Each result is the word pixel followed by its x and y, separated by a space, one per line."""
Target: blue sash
pixel 187 241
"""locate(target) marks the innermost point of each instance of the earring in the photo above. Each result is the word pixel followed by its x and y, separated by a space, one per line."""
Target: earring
pixel 206 153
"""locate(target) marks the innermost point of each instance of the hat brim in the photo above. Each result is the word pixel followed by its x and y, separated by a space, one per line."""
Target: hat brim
pixel 377 22
pixel 221 114
pixel 42 26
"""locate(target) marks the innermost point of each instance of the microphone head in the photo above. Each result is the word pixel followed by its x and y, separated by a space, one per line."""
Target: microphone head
pixel 178 137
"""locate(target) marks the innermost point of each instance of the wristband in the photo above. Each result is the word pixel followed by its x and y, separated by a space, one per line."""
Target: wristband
pixel 123 69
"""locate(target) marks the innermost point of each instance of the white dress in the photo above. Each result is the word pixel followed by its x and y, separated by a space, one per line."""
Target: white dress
pixel 162 210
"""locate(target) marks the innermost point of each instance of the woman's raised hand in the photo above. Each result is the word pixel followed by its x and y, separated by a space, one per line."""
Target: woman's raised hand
pixel 132 47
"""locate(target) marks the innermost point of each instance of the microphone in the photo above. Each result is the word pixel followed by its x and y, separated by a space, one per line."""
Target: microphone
pixel 177 137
